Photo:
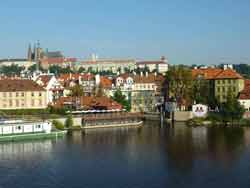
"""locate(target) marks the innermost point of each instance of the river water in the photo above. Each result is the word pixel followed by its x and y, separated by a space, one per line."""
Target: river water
pixel 151 156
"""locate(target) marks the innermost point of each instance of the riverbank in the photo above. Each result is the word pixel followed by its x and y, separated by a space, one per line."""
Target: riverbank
pixel 209 122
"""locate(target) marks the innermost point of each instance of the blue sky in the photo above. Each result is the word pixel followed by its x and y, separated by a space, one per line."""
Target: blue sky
pixel 185 31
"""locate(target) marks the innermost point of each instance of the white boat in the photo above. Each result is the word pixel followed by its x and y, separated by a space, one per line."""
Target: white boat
pixel 14 127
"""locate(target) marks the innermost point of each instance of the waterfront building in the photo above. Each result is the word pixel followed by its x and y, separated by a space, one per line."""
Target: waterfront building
pixel 160 66
pixel 88 103
pixel 53 87
pixel 21 94
pixel 221 81
pixel 143 91
pixel 244 96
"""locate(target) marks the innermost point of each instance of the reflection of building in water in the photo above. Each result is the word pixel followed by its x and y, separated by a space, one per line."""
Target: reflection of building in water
pixel 247 136
pixel 25 150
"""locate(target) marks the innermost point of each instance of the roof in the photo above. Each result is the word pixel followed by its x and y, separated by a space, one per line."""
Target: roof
pixel 44 79
pixel 215 73
pixel 245 93
pixel 8 85
pixel 150 78
pixel 150 62
pixel 53 54
pixel 208 73
pixel 76 76
pixel 108 61
pixel 91 102
pixel 105 82
pixel 228 73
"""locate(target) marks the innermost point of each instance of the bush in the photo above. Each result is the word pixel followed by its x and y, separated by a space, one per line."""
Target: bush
pixel 69 121
pixel 195 122
pixel 58 125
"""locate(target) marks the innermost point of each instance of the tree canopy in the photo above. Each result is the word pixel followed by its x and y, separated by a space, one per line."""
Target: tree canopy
pixel 120 98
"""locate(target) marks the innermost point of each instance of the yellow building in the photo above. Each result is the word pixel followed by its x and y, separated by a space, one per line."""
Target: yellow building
pixel 221 81
pixel 21 94
pixel 228 81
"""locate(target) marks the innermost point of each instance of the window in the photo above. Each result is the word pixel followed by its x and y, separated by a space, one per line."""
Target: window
pixel 38 126
pixel 32 94
pixel 10 102
pixel 17 94
pixel 40 94
pixel 223 89
pixel 18 127
pixel 17 103
pixel 10 94
pixel 223 81
pixel 218 89
pixel 229 81
pixel 234 89
pixel 22 102
pixel 218 81
pixel 22 94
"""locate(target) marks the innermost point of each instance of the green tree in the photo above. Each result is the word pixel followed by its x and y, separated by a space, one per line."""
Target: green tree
pixel 180 83
pixel 76 91
pixel 120 98
pixel 11 70
pixel 58 125
pixel 69 121
pixel 231 110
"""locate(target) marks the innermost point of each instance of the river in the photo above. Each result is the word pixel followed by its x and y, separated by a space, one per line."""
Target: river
pixel 151 156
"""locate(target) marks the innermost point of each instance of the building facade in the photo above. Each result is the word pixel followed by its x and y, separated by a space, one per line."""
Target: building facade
pixel 21 94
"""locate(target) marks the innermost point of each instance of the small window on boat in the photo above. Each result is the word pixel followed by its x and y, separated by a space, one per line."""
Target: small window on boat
pixel 18 127
pixel 38 126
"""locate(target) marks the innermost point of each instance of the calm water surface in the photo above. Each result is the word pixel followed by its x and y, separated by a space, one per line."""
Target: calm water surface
pixel 151 156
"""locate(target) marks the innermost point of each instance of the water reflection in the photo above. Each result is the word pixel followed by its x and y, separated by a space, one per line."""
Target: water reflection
pixel 150 156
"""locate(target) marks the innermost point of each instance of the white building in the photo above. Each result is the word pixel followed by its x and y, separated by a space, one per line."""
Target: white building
pixel 160 66
pixel 52 86
pixel 113 65
pixel 19 62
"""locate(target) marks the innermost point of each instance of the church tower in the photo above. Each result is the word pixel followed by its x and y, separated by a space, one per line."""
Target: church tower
pixel 29 57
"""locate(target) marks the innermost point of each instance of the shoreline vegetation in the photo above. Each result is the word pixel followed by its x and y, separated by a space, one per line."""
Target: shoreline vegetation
pixel 216 122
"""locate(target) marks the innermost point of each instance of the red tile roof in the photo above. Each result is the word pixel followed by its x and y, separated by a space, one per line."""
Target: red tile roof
pixel 215 73
pixel 90 102
pixel 44 79
pixel 105 82
pixel 7 85
pixel 67 77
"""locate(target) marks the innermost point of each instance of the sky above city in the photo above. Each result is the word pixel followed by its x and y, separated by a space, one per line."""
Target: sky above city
pixel 185 31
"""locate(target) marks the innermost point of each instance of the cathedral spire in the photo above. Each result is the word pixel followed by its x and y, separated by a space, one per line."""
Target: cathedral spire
pixel 29 57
